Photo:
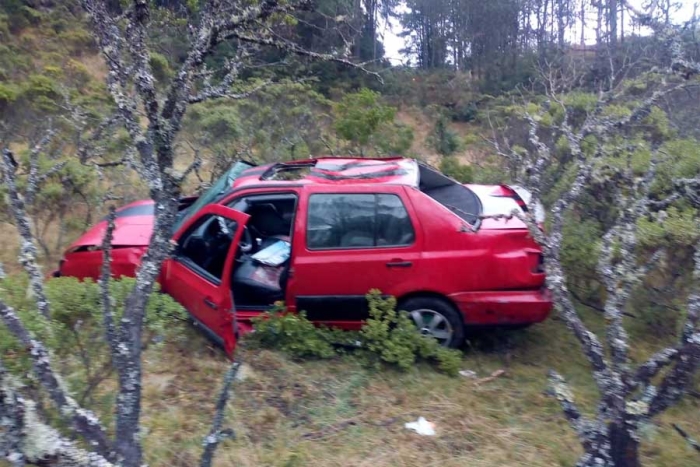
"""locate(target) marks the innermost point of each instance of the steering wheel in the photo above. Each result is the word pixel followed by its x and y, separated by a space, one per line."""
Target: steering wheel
pixel 246 242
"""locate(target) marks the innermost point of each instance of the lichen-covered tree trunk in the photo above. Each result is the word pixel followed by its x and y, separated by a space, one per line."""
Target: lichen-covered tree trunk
pixel 624 448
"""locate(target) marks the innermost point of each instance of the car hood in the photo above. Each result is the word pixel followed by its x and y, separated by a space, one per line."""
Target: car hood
pixel 133 226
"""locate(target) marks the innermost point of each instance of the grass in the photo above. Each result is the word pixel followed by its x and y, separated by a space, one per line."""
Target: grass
pixel 337 413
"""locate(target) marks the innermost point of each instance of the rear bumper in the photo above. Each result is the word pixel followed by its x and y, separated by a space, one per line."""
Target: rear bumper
pixel 504 307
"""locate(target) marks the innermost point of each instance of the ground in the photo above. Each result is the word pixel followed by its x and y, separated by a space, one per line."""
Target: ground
pixel 337 413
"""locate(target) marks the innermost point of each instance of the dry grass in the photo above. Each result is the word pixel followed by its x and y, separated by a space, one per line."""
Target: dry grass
pixel 422 125
pixel 336 413
pixel 10 247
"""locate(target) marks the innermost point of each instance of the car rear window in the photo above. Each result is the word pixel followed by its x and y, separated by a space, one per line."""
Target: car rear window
pixel 340 221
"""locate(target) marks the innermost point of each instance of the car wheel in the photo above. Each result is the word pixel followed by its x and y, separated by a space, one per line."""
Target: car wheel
pixel 437 318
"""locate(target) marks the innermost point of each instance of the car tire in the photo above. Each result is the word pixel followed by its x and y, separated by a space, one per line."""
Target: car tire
pixel 445 316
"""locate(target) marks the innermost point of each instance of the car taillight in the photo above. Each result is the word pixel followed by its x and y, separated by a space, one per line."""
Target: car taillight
pixel 536 262
pixel 540 264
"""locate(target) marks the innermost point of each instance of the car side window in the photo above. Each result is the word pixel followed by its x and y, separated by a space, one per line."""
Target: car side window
pixel 205 245
pixel 394 227
pixel 357 221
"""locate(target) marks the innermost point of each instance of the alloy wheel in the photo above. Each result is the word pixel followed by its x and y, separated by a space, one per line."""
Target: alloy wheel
pixel 434 324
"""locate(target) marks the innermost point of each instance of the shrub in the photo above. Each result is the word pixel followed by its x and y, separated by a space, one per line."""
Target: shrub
pixel 161 67
pixel 360 115
pixel 395 138
pixel 388 337
pixel 443 139
pixel 78 40
pixel 292 334
pixel 75 333
pixel 8 94
pixel 41 91
pixel 451 167
pixel 465 113
pixel 674 228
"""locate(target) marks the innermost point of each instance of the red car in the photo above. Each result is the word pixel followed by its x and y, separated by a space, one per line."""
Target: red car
pixel 320 233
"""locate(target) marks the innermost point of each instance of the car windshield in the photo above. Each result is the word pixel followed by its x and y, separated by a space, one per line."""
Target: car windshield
pixel 217 189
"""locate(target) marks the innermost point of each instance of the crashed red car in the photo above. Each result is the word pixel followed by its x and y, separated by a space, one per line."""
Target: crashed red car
pixel 320 233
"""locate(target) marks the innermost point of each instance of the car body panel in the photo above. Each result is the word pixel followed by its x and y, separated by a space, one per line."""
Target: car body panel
pixel 133 226
pixel 88 263
pixel 389 269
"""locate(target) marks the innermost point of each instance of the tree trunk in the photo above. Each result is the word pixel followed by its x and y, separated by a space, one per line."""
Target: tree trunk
pixel 612 25
pixel 358 21
pixel 622 25
pixel 624 449
pixel 583 24
pixel 561 25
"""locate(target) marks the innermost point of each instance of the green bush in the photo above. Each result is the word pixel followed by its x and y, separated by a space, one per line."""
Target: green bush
pixel 443 139
pixel 8 94
pixel 388 337
pixel 674 228
pixel 451 167
pixel 78 40
pixel 161 67
pixel 75 333
pixel 465 113
pixel 360 115
pixel 395 138
pixel 292 334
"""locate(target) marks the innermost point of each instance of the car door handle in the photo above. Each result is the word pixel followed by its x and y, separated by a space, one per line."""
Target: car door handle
pixel 210 304
pixel 399 264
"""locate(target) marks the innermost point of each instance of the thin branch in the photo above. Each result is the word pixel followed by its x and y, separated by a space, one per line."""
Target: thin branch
pixel 32 179
pixel 289 46
pixel 653 366
pixel 223 92
pixel 216 434
pixel 560 390
pixel 679 379
pixel 27 439
pixel 105 277
pixel 83 421
pixel 12 414
pixel 672 38
pixel 691 442
pixel 27 257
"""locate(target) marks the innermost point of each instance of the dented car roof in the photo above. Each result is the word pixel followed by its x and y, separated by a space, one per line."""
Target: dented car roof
pixel 334 170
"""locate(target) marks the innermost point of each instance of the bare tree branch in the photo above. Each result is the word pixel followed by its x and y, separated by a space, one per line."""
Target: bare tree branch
pixel 26 439
pixel 216 434
pixel 106 276
pixel 222 92
pixel 691 442
pixel 629 396
pixel 27 256
pixel 289 46
pixel 83 421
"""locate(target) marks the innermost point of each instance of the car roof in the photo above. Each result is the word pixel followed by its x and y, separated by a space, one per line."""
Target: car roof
pixel 333 171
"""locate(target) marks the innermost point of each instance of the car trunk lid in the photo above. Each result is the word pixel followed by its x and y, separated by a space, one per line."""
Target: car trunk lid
pixel 502 200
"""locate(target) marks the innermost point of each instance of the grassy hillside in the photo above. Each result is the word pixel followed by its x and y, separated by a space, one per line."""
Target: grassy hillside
pixel 338 413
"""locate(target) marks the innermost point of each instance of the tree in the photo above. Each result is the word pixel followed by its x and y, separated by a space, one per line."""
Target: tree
pixel 359 117
pixel 123 39
pixel 630 395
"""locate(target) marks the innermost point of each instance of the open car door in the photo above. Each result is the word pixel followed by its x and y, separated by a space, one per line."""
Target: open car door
pixel 198 275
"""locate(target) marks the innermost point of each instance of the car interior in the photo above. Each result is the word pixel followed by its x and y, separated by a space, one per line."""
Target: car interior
pixel 208 243
pixel 256 282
